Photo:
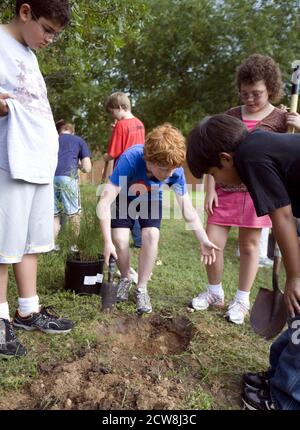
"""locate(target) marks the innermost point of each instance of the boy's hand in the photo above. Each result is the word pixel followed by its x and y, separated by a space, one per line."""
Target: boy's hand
pixel 292 296
pixel 211 201
pixel 293 120
pixel 109 249
pixel 3 104
pixel 208 252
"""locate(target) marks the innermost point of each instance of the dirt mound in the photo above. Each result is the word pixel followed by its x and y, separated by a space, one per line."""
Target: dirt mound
pixel 132 366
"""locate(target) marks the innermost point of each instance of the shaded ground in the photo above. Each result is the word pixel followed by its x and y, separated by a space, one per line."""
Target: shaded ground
pixel 137 363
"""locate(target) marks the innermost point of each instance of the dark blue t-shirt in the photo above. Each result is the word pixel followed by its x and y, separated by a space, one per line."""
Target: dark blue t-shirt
pixel 71 149
pixel 130 173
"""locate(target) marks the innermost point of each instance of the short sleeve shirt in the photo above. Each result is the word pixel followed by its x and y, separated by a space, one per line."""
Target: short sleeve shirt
pixel 126 133
pixel 269 165
pixel 71 149
pixel 130 174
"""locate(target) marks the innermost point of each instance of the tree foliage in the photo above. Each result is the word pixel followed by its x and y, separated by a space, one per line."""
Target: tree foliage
pixel 175 58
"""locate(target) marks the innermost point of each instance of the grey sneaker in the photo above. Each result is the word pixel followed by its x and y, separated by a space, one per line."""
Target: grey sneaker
pixel 10 346
pixel 123 288
pixel 143 304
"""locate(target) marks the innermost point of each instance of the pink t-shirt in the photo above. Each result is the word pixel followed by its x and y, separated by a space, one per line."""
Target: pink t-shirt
pixel 250 123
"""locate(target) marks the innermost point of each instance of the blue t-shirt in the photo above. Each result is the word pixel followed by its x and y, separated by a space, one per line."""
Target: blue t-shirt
pixel 130 173
pixel 71 149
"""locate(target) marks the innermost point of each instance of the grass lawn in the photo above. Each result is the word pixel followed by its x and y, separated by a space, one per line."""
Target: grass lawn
pixel 171 359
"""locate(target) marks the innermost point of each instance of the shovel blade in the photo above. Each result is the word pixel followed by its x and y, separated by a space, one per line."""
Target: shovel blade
pixel 109 296
pixel 268 315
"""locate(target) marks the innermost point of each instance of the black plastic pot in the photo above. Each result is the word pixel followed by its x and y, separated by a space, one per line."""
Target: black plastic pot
pixel 84 277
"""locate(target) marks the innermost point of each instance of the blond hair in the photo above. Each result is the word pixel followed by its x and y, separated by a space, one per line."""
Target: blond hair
pixel 165 146
pixel 117 100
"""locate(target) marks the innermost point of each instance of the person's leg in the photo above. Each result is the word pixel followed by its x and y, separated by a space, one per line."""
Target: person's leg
pixel 264 260
pixel 148 253
pixel 75 222
pixel 3 282
pixel 217 234
pixel 120 237
pixel 136 234
pixel 249 250
pixel 40 239
pixel 214 294
pixel 57 226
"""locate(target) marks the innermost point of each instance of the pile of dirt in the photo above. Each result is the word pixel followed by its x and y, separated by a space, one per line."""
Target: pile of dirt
pixel 134 365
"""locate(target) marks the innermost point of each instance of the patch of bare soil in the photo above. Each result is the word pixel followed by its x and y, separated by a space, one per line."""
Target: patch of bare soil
pixel 132 366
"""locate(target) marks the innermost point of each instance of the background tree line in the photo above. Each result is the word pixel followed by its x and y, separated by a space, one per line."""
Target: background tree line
pixel 175 58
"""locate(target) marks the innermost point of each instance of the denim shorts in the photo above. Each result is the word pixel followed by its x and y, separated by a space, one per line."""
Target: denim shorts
pixel 148 213
pixel 66 196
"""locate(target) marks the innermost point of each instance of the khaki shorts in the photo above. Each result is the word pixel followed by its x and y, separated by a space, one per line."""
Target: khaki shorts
pixel 26 218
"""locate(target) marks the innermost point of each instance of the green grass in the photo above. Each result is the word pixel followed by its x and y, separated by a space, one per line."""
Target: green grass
pixel 222 351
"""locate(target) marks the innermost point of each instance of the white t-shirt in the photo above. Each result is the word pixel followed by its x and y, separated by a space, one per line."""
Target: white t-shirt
pixel 28 136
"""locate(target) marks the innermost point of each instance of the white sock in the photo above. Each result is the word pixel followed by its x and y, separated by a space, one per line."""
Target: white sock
pixel 4 311
pixel 28 306
pixel 141 288
pixel 243 297
pixel 216 289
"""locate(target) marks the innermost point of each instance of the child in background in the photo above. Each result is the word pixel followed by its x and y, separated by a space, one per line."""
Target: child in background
pixel 128 130
pixel 259 82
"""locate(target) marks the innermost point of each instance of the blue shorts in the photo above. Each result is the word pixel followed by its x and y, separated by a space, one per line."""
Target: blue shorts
pixel 149 214
pixel 66 196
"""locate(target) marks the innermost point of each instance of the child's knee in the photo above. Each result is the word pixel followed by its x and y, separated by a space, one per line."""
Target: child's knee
pixel 150 236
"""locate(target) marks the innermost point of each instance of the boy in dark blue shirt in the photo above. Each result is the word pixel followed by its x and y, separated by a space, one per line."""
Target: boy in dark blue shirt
pixel 72 151
pixel 269 165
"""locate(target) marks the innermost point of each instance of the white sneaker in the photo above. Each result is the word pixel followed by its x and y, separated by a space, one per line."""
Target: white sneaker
pixel 74 248
pixel 133 275
pixel 236 312
pixel 206 299
pixel 265 262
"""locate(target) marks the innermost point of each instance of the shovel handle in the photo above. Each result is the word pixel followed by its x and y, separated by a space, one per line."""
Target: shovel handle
pixel 275 273
pixel 111 268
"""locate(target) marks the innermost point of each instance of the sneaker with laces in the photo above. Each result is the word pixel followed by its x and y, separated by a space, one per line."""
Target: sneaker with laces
pixel 265 262
pixel 206 299
pixel 257 399
pixel 143 303
pixel 236 312
pixel 10 346
pixel 123 289
pixel 46 320
pixel 74 248
pixel 257 380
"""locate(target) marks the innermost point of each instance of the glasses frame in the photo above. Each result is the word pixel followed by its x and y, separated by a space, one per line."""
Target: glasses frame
pixel 49 35
pixel 257 96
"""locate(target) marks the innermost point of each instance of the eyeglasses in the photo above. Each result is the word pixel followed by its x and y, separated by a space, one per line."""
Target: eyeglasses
pixel 255 94
pixel 48 33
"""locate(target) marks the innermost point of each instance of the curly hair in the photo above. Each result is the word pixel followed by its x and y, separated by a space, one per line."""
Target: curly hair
pixel 56 10
pixel 165 146
pixel 259 67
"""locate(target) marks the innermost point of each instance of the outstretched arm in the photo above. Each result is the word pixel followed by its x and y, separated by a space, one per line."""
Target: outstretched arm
pixel 286 236
pixel 108 196
pixel 194 223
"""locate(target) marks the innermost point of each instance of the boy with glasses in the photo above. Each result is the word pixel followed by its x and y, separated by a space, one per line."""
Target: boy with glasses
pixel 28 147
